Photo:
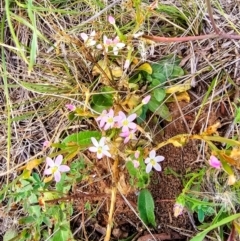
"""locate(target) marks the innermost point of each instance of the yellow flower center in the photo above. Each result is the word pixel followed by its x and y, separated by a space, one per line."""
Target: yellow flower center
pixel 99 151
pixel 54 169
pixel 125 122
pixel 153 162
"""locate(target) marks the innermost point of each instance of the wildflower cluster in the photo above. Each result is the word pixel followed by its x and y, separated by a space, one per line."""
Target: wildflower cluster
pixel 107 120
pixel 108 43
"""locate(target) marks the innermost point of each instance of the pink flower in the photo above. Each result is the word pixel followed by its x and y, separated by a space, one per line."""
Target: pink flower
pixel 55 168
pixel 111 20
pixel 214 162
pixel 115 44
pixel 88 40
pixel 126 122
pixel 136 163
pixel 129 135
pixel 71 107
pixel 100 148
pixel 110 120
pixel 107 119
pixel 152 161
pixel 146 99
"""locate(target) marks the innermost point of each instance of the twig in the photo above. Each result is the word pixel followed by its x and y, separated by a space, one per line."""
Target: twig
pixel 113 199
pixel 209 8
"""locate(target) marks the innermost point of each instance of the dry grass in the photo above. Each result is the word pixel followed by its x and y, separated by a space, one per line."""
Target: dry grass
pixel 34 100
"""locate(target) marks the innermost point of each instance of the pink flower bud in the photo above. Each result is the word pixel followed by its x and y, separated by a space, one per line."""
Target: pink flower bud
pixel 71 107
pixel 111 19
pixel 136 163
pixel 137 153
pixel 46 144
pixel 146 99
pixel 214 162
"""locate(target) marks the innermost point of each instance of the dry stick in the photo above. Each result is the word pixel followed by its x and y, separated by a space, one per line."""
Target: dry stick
pixel 210 12
pixel 217 34
pixel 113 199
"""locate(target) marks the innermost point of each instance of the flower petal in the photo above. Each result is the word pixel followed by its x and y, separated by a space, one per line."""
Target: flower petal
pixel 149 167
pixel 132 117
pixel 48 171
pixel 152 154
pixel 147 160
pixel 99 155
pixel 93 149
pixel 102 141
pixel 106 148
pixel 106 153
pixel 159 158
pixel 58 160
pixel 84 36
pixel 120 45
pixel 57 176
pixel 132 125
pixel 50 162
pixel 157 167
pixel 64 168
pixel 94 141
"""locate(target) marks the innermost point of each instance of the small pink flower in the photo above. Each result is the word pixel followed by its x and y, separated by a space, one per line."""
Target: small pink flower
pixel 100 147
pixel 152 161
pixel 55 168
pixel 129 135
pixel 136 163
pixel 146 99
pixel 71 107
pixel 126 122
pixel 46 144
pixel 110 120
pixel 88 40
pixel 107 119
pixel 137 154
pixel 111 20
pixel 214 162
pixel 115 44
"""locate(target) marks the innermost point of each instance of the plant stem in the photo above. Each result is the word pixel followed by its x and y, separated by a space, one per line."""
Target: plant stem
pixel 209 8
pixel 113 199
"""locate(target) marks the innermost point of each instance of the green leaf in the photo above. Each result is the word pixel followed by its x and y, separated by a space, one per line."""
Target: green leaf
pixel 146 207
pixel 177 72
pixel 82 138
pixel 27 220
pixel 10 234
pixel 104 100
pixel 159 109
pixel 160 77
pixel 201 215
pixel 61 235
pixel 159 94
pixel 200 236
pixel 131 169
